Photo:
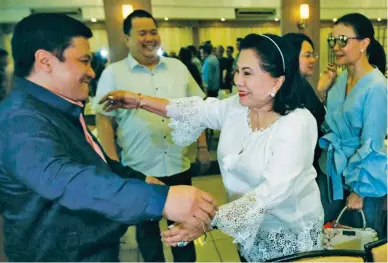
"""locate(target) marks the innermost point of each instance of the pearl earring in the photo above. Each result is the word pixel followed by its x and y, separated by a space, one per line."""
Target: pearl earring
pixel 272 94
pixel 362 50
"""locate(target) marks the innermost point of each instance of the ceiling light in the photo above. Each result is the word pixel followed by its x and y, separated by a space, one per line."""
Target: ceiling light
pixel 166 18
pixel 222 19
pixel 126 10
pixel 334 19
pixel 104 53
pixel 94 20
pixel 276 19
pixel 379 19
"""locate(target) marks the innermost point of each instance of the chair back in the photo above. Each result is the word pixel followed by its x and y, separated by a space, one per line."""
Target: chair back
pixel 334 255
pixel 377 251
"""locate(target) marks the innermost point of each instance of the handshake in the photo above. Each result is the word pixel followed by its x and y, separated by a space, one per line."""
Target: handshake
pixel 192 210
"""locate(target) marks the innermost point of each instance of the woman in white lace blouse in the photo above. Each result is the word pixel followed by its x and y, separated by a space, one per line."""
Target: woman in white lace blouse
pixel 265 152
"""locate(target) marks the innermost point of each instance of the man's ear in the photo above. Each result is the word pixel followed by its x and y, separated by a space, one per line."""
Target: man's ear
pixel 126 38
pixel 43 60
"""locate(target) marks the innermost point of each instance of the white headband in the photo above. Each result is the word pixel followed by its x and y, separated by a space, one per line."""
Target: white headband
pixel 280 51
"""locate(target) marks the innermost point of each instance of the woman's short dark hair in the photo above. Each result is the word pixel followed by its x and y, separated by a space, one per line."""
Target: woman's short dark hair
pixel 207 48
pixel 363 28
pixel 288 98
pixel 50 32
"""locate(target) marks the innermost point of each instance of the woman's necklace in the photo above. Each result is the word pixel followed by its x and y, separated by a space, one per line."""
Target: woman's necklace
pixel 248 138
pixel 258 129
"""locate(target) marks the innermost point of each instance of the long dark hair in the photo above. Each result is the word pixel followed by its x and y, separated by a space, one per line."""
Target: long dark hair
pixel 289 96
pixel 310 99
pixel 363 28
pixel 297 39
pixel 185 55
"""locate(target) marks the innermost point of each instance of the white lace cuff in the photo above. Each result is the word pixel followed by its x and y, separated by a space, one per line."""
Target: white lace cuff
pixel 185 119
pixel 241 219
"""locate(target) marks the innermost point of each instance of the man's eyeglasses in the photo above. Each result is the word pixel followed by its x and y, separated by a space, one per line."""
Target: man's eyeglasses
pixel 341 40
pixel 309 55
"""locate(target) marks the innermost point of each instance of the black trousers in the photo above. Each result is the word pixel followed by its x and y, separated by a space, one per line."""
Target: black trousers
pixel 212 93
pixel 148 233
pixel 242 259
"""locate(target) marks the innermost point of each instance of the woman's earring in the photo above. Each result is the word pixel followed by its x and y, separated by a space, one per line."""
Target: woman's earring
pixel 272 94
pixel 362 50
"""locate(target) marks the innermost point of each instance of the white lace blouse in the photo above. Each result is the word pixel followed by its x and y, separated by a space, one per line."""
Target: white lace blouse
pixel 275 207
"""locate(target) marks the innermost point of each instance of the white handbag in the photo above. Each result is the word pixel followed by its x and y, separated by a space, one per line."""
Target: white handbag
pixel 348 237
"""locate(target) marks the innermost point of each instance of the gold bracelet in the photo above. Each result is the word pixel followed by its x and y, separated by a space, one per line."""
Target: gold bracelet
pixel 141 102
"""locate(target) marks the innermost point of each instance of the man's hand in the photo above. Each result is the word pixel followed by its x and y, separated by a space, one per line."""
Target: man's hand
pixel 120 99
pixel 187 204
pixel 354 202
pixel 153 180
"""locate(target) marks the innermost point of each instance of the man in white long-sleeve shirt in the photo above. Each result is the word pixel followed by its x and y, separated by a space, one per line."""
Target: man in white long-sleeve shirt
pixel 145 140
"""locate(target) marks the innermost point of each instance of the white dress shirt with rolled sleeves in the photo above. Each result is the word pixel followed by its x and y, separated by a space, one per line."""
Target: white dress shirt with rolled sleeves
pixel 144 137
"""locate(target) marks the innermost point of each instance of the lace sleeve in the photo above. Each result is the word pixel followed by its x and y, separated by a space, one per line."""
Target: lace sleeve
pixel 241 218
pixel 185 120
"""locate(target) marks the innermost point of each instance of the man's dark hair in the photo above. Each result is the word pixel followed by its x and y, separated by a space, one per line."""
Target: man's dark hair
pixel 193 49
pixel 239 39
pixel 139 13
pixel 50 32
pixel 207 49
pixel 3 52
pixel 230 48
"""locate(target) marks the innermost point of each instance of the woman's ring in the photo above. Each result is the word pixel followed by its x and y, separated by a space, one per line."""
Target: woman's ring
pixel 182 243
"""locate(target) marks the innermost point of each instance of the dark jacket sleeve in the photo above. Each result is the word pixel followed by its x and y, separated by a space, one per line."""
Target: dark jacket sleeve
pixel 33 153
pixel 124 171
pixel 117 167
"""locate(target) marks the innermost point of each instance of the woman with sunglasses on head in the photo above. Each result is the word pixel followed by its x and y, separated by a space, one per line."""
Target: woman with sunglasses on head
pixel 265 152
pixel 303 49
pixel 355 159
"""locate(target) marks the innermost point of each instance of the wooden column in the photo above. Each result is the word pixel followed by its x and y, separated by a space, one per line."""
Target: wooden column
pixel 196 35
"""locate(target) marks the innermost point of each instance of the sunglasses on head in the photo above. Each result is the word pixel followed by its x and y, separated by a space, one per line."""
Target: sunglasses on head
pixel 341 40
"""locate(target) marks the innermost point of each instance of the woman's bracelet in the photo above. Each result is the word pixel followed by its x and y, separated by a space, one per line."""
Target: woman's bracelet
pixel 141 101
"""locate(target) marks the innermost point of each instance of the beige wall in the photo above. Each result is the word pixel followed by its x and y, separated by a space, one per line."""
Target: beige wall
pixel 227 36
pixel 173 38
pixel 99 40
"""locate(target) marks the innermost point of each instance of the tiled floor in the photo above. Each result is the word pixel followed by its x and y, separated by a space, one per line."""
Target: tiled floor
pixel 219 247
